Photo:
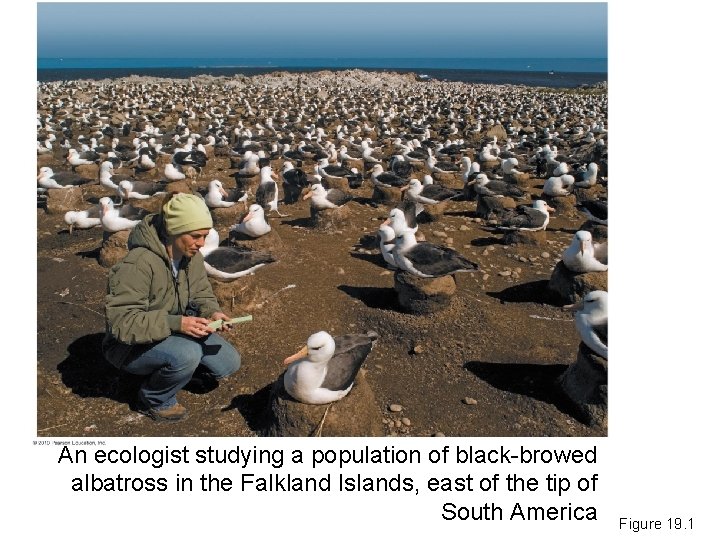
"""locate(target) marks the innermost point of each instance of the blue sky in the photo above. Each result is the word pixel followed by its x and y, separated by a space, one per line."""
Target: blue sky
pixel 297 30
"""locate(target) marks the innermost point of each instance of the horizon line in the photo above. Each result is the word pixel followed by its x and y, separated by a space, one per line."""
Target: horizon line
pixel 322 57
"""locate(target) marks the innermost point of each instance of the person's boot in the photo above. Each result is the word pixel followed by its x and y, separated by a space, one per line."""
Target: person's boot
pixel 170 414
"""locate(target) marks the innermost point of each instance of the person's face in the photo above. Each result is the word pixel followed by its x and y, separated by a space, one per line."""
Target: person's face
pixel 190 243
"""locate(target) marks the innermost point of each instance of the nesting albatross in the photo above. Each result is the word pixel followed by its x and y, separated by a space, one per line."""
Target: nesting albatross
pixel 322 199
pixel 427 260
pixel 584 256
pixel 253 224
pixel 226 263
pixel 524 218
pixel 324 370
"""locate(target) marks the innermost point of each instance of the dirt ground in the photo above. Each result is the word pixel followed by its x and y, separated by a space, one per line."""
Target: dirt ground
pixel 502 342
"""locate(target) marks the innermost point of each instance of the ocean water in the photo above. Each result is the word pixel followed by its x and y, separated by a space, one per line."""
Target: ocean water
pixel 553 72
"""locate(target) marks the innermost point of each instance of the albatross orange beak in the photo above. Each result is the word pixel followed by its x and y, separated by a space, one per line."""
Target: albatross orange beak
pixel 302 353
pixel 307 195
pixel 574 307
pixel 247 217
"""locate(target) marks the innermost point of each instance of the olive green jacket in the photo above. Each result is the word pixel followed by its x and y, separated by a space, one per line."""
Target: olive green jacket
pixel 144 302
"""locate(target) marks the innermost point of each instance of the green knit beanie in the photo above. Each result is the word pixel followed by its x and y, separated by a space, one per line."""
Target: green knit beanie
pixel 184 213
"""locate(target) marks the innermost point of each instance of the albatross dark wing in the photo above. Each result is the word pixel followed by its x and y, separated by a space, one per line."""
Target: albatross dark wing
pixel 265 193
pixel 232 260
pixel 351 351
pixel 437 192
pixel 338 197
pixel 435 260
pixel 601 330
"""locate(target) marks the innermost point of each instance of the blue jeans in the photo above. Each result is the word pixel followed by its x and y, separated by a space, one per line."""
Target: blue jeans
pixel 171 363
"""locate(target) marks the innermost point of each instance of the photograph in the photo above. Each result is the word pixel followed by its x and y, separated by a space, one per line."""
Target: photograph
pixel 332 219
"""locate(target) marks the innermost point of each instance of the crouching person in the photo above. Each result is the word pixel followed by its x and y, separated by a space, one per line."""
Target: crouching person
pixel 158 306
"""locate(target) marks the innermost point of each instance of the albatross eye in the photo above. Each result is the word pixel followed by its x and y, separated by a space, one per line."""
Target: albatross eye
pixel 316 348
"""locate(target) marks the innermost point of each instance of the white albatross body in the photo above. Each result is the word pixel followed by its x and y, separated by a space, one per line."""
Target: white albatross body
pixel 558 186
pixel 591 319
pixel 253 224
pixel 267 191
pixel 82 219
pixel 217 197
pixel 111 219
pixel 584 256
pixel 386 237
pixel 173 173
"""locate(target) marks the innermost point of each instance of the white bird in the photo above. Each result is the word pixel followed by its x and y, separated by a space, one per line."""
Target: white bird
pixel 508 166
pixel 173 173
pixel 110 180
pixel 48 179
pixel 386 179
pixel 253 224
pixel 558 186
pixel 217 197
pixel 487 155
pixel 139 189
pixel 441 166
pixel 425 259
pixel 324 370
pixel 587 178
pixel 44 148
pixel 368 156
pixel 146 162
pixel 267 191
pixel 400 219
pixel 111 219
pixel 428 193
pixel 524 218
pixel 591 319
pixel 584 256
pixel 74 159
pixel 322 199
pixel 561 169
pixel 227 263
pixel 83 219
pixel 249 166
pixel 495 188
pixel 386 238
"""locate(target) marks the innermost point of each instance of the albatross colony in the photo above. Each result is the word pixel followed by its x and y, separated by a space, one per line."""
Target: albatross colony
pixel 501 342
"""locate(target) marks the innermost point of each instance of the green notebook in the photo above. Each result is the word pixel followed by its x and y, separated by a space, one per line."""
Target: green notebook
pixel 217 324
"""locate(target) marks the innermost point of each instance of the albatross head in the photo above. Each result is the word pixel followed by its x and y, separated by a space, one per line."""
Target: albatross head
pixel 541 205
pixel 319 349
pixel 125 188
pixel 216 185
pixel 582 241
pixel 593 307
pixel 313 190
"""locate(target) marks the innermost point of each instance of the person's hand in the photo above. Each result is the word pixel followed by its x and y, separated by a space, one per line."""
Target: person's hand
pixel 195 326
pixel 219 315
